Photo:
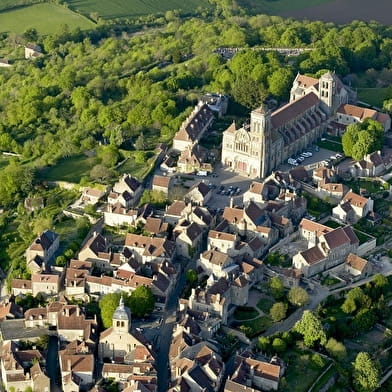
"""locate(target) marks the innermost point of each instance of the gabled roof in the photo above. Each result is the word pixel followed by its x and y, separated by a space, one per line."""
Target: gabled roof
pixel 44 241
pixel 313 255
pixel 202 188
pixel 293 109
pixel 355 200
pixel 356 262
pixel 336 238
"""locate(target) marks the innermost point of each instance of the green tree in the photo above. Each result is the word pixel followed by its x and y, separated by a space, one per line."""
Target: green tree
pixel 61 261
pixel 279 345
pixel 280 82
pixel 276 287
pixel 311 329
pixel 191 277
pixel 108 304
pixel 278 311
pixel 336 349
pixel 100 173
pixel 142 301
pixel 366 373
pixel 263 343
pixel 140 143
pixel 363 138
pixel 108 155
pixel 298 296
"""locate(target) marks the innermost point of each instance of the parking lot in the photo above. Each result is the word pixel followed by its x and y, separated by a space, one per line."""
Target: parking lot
pixel 312 162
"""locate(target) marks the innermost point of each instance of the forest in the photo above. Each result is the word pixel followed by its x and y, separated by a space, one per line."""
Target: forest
pixel 99 90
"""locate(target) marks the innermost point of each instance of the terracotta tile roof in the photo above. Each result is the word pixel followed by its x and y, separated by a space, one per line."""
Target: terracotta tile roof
pixel 293 109
pixel 21 284
pixel 306 81
pixel 383 118
pixel 161 181
pixel 315 227
pixel 79 264
pixel 93 192
pixel 233 215
pixel 221 236
pixel 176 208
pixel 158 247
pixel 323 173
pixel 357 111
pixel 79 363
pixel 232 386
pixel 264 369
pixel 355 200
pixel 36 314
pixel 356 262
pixel 336 238
pixel 215 257
pixel 333 187
pixel 45 278
pixel 313 255
pixel 241 281
pixel 155 225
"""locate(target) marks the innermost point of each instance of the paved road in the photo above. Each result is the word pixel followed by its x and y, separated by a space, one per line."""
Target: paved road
pixel 52 364
pixel 165 335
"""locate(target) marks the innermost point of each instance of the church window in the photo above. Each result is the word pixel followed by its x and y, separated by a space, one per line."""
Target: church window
pixel 326 94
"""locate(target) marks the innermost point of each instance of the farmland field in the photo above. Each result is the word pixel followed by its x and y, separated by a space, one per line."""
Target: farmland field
pixel 130 8
pixel 47 18
pixel 338 11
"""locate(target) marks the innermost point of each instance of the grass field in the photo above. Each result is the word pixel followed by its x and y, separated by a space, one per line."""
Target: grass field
pixel 276 7
pixel 373 96
pixel 68 169
pixel 47 18
pixel 338 11
pixel 130 8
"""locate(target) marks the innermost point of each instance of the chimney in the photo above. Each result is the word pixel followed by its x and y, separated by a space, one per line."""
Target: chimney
pixel 77 311
pixel 69 365
pixel 231 202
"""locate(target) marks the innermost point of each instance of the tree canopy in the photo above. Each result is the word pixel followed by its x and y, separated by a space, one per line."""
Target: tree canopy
pixel 311 329
pixel 366 373
pixel 142 301
pixel 363 138
pixel 298 296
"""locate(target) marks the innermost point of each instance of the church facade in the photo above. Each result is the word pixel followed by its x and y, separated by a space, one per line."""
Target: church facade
pixel 258 148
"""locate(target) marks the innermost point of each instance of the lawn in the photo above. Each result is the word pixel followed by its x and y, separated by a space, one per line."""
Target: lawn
pixel 47 18
pixel 242 313
pixel 278 6
pixel 330 145
pixel 131 8
pixel 68 169
pixel 316 206
pixel 332 224
pixel 4 161
pixel 301 372
pixel 371 186
pixel 137 170
pixel 265 304
pixel 257 326
pixel 373 96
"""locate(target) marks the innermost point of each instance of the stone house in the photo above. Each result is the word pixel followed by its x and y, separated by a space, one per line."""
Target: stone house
pixel 91 195
pixel 174 212
pixel 199 194
pixel 252 375
pixel 358 267
pixel 330 250
pixel 335 190
pixel 352 208
pixel 22 369
pixel 76 366
pixel 32 51
pixel 193 128
pixel 221 241
pixel 372 165
pixel 10 311
pixel 161 184
pixel 189 238
pixel 21 287
pixel 260 193
pixel 43 247
pixel 75 282
pixel 149 249
pixel 45 284
pixel 193 159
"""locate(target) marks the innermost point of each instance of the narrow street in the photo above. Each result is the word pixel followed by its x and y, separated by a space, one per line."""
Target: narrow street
pixel 52 364
pixel 165 335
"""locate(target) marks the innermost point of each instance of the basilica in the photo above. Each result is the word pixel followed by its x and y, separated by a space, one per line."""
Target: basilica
pixel 316 106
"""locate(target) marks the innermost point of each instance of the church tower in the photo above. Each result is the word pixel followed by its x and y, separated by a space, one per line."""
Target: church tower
pixel 260 128
pixel 327 87
pixel 121 318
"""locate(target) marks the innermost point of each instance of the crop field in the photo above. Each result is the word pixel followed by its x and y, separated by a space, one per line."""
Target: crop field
pixel 338 11
pixel 47 18
pixel 276 7
pixel 131 8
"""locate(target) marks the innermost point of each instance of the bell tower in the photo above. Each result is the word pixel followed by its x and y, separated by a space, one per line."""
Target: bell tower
pixel 260 126
pixel 327 91
pixel 121 318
